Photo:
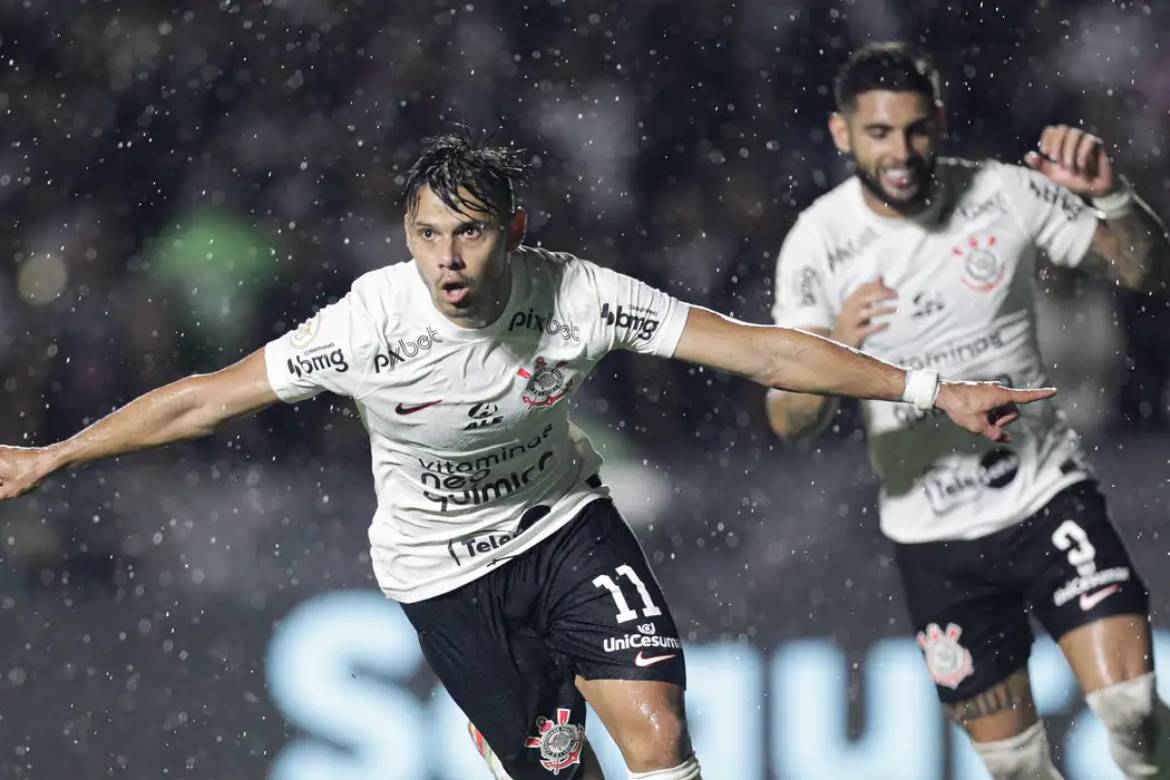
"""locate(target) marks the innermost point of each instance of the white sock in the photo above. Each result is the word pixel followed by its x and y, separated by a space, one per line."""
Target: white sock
pixel 1025 756
pixel 687 770
pixel 1138 723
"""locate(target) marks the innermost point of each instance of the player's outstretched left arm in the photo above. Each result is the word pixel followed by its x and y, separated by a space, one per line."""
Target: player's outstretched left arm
pixel 794 360
pixel 186 409
pixel 1130 238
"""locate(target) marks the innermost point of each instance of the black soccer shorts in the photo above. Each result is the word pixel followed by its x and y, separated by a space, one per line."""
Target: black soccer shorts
pixel 969 600
pixel 509 645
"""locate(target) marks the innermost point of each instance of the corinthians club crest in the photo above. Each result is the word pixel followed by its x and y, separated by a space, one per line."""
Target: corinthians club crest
pixel 983 267
pixel 546 384
pixel 948 661
pixel 559 742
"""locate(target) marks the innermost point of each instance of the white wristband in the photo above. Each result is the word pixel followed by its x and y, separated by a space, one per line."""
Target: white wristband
pixel 921 388
pixel 1117 203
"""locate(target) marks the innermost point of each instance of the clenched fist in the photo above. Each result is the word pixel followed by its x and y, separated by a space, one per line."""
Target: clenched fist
pixel 1075 160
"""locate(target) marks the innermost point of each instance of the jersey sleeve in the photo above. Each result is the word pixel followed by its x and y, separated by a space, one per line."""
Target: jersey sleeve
pixel 1059 222
pixel 326 352
pixel 802 294
pixel 633 315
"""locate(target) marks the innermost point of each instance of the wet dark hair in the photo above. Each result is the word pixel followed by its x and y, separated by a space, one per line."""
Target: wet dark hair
pixel 897 67
pixel 457 161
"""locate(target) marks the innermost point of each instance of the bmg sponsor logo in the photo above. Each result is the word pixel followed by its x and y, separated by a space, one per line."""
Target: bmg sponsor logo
pixel 641 321
pixel 545 323
pixel 318 360
pixel 404 351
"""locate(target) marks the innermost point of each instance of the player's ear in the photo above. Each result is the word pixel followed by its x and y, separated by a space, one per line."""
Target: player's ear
pixel 516 227
pixel 839 130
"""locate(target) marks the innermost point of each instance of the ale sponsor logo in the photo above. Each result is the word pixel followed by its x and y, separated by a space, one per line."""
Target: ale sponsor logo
pixel 483 415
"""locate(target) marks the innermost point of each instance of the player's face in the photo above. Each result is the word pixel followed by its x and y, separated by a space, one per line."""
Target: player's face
pixel 463 257
pixel 892 138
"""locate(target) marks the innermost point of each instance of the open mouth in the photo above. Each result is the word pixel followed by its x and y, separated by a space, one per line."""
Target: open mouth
pixel 901 182
pixel 453 291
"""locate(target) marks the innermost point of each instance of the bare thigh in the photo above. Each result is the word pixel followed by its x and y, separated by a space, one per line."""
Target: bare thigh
pixel 1109 651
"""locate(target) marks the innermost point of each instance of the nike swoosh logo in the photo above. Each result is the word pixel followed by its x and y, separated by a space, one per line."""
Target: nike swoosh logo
pixel 403 409
pixel 641 660
pixel 1090 600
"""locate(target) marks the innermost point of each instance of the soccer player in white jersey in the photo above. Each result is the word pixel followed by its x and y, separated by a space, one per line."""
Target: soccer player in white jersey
pixel 493 529
pixel 929 262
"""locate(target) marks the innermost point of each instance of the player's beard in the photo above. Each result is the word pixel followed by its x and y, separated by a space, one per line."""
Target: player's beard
pixel 922 171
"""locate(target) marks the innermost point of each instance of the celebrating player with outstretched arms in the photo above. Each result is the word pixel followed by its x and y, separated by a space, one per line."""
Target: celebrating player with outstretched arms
pixel 493 528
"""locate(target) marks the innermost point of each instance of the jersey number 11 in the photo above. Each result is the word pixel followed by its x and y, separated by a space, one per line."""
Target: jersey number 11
pixel 625 614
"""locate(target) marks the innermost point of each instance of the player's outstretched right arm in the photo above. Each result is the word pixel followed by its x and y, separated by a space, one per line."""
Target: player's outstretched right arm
pixel 796 361
pixel 186 409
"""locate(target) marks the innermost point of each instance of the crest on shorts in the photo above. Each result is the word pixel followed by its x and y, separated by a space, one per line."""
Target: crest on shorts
pixel 560 742
pixel 546 384
pixel 948 661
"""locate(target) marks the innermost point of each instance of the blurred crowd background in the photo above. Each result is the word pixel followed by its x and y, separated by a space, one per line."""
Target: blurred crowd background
pixel 180 183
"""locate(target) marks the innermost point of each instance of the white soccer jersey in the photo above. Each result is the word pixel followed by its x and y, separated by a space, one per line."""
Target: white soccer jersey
pixel 474 458
pixel 963 271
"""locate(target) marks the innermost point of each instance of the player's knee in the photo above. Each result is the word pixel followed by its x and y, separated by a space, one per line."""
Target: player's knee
pixel 1025 756
pixel 656 743
pixel 1125 706
pixel 1138 724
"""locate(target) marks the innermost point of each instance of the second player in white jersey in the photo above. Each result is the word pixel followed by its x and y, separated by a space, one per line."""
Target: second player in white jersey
pixel 474 458
pixel 930 262
pixel 964 271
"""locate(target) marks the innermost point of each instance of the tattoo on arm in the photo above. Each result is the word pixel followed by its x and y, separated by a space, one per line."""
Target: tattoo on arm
pixel 1135 249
